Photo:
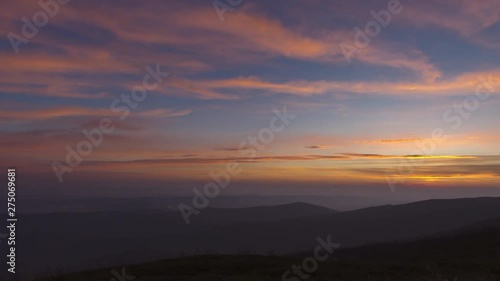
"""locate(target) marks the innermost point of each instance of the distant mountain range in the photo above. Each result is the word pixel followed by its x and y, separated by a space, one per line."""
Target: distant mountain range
pixel 77 241
pixel 62 204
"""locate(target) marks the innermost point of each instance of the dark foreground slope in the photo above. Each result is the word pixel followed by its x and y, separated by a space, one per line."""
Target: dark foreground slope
pixel 468 255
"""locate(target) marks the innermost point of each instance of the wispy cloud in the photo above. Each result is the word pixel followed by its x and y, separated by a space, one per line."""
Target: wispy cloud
pixel 388 141
pixel 318 146
pixel 73 111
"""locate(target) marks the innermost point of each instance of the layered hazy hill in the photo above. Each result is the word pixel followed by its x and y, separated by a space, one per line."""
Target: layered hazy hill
pixel 77 241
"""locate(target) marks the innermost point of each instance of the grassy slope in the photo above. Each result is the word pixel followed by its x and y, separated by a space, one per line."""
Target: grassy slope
pixel 470 256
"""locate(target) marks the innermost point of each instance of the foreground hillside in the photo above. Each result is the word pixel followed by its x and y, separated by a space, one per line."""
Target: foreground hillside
pixel 464 256
pixel 81 241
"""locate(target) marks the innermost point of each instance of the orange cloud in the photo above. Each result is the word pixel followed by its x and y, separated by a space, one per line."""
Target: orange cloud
pixel 463 84
pixel 57 112
pixel 393 141
pixel 318 146
pixel 249 33
pixel 251 37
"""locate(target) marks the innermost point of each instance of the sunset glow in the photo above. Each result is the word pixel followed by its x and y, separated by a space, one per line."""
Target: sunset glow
pixel 418 104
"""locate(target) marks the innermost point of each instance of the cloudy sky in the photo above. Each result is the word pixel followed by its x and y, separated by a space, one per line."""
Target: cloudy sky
pixel 405 92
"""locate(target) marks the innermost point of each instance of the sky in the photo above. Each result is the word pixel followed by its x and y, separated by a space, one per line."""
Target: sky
pixel 304 97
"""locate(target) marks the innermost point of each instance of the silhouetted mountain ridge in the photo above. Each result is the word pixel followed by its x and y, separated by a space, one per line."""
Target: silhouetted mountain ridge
pixel 261 214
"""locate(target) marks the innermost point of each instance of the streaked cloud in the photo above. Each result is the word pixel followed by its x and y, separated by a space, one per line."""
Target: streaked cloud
pixel 318 146
pixel 58 112
pixel 227 77
pixel 393 141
